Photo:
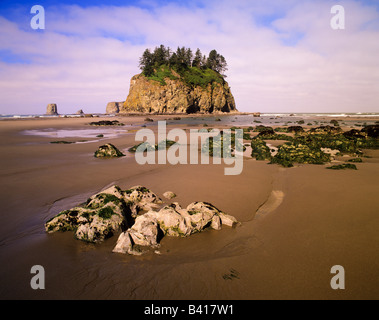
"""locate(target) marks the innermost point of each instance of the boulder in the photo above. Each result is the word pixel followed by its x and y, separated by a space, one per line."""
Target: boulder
pixel 354 134
pixel 295 129
pixel 140 199
pixel 113 107
pixel 169 195
pixel 371 131
pixel 52 109
pixel 173 222
pixel 325 129
pixel 101 216
pixel 108 151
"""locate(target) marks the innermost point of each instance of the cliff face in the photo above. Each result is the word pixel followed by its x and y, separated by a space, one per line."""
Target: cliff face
pixel 175 96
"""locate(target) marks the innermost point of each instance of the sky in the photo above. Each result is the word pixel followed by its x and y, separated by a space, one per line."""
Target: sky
pixel 282 55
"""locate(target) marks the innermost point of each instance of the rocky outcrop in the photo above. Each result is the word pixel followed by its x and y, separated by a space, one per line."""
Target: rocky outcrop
pixel 114 107
pixel 372 131
pixel 138 212
pixel 108 151
pixel 175 96
pixel 52 109
pixel 80 112
pixel 171 220
pixel 104 213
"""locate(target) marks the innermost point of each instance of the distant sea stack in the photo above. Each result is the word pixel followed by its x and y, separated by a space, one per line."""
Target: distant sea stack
pixel 179 82
pixel 52 109
pixel 114 107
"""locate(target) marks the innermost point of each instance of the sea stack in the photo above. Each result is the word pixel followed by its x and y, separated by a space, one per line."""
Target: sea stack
pixel 52 109
pixel 114 107
pixel 176 96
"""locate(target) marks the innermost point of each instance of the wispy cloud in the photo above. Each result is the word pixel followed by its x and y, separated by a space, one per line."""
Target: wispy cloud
pixel 282 55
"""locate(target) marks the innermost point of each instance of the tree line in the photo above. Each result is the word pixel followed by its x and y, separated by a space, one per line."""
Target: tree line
pixel 180 60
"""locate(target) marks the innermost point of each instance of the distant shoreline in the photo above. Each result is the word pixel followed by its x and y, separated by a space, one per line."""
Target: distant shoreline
pixel 365 115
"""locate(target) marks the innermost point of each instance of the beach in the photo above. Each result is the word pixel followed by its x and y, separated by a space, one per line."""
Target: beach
pixel 295 223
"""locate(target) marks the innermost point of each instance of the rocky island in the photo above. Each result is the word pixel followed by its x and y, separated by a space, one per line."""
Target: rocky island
pixel 179 82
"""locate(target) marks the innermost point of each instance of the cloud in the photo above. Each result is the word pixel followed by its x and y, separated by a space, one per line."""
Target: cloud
pixel 282 55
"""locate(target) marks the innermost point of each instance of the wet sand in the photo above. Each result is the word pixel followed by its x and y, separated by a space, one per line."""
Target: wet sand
pixel 296 224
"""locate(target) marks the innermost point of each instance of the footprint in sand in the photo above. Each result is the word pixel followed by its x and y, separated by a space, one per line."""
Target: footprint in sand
pixel 274 201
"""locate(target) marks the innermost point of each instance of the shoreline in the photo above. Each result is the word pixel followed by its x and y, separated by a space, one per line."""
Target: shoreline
pixel 282 250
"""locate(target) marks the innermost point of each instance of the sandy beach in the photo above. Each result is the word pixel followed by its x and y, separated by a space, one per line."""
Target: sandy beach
pixel 296 223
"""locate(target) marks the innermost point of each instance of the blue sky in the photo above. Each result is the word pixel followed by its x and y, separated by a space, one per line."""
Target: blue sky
pixel 282 55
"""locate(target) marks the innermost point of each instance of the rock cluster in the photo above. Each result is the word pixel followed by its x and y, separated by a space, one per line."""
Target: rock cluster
pixel 316 146
pixel 171 220
pixel 290 153
pixel 138 212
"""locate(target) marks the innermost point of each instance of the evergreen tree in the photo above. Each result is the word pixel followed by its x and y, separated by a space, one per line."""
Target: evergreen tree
pixel 146 63
pixel 197 60
pixel 216 62
pixel 181 60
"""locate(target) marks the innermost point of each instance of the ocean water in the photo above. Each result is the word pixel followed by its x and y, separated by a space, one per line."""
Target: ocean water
pixel 352 120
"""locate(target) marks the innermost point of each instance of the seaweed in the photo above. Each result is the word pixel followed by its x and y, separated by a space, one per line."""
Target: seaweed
pixel 343 166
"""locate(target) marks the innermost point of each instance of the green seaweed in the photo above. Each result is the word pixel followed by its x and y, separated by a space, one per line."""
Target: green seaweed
pixel 343 166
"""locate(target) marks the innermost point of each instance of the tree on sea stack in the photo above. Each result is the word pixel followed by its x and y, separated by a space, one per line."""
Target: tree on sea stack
pixel 179 82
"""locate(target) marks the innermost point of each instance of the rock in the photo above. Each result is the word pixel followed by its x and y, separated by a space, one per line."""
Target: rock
pixel 124 244
pixel 108 151
pixel 372 131
pixel 175 96
pixel 262 128
pixel 325 129
pixel 298 153
pixel 52 109
pixel 201 214
pixel 80 112
pixel 354 134
pixel 141 199
pixel 106 123
pixel 102 216
pixel 172 221
pixel 295 129
pixel 145 231
pixel 169 195
pixel 104 213
pixel 343 166
pixel 259 150
pixel 114 107
pixel 227 219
